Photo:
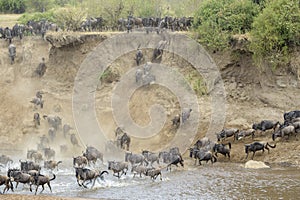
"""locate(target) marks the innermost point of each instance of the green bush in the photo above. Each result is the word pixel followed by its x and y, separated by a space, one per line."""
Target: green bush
pixel 12 6
pixel 38 16
pixel 69 18
pixel 276 32
pixel 217 20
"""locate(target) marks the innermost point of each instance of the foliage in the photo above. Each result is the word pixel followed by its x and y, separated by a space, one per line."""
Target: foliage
pixel 275 32
pixel 217 20
pixel 37 16
pixel 39 5
pixel 12 6
pixel 69 18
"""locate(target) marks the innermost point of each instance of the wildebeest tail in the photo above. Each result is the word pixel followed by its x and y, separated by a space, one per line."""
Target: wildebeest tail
pixel 53 177
pixel 271 145
pixel 103 172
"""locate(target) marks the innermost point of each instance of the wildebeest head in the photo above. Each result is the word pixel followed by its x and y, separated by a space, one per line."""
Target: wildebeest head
pixel 247 146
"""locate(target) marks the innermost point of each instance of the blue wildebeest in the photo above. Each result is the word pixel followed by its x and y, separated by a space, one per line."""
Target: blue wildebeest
pixel 135 159
pixel 12 53
pixel 84 174
pixel 222 149
pixel 257 146
pixel 225 133
pixel 265 125
pixel 118 167
pixel 93 154
pixel 202 154
pixel 284 131
pixel 150 157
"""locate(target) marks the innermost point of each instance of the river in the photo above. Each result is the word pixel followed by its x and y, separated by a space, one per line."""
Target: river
pixel 217 181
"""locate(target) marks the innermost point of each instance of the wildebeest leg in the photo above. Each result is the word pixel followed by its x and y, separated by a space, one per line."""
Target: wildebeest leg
pixel 94 182
pixel 267 149
pixel 49 186
pixel 36 189
pixel 246 156
pixel 78 179
pixel 253 155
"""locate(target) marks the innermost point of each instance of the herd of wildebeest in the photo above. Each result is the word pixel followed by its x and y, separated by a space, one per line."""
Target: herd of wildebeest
pixel 147 163
pixel 99 24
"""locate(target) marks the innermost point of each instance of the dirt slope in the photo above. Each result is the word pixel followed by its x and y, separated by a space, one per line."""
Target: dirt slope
pixel 252 95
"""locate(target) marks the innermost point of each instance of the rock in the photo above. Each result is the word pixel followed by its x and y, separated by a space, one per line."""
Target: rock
pixel 251 164
pixel 281 83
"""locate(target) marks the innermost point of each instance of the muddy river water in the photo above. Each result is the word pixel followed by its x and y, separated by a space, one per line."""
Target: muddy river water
pixel 218 181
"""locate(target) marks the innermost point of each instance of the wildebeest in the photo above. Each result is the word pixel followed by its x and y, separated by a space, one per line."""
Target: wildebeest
pixel 37 102
pixel 49 153
pixel 201 155
pixel 80 161
pixel 147 67
pixel 257 146
pixel 34 155
pixel 53 121
pixel 44 141
pixel 185 115
pixel 5 160
pixel 52 133
pixel 154 173
pixel 42 180
pixel 135 158
pixel 265 125
pixel 51 164
pixel 66 129
pixel 165 156
pixel 138 75
pixel 122 138
pixel 85 174
pixel 36 120
pixel 284 131
pixel 20 177
pixel 4 180
pixel 39 94
pixel 225 133
pixel 158 51
pixel 245 133
pixel 41 69
pixel 289 116
pixel 204 143
pixel 138 57
pixel 150 157
pixel 92 154
pixel 29 165
pixel 222 149
pixel 176 121
pixel 139 169
pixel 74 139
pixel 118 167
pixel 175 160
pixel 12 53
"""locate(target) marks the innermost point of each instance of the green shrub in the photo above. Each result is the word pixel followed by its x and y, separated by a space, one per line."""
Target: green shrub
pixel 12 6
pixel 217 20
pixel 38 16
pixel 275 32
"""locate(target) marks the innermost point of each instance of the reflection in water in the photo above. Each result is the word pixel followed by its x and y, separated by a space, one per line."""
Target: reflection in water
pixel 218 181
